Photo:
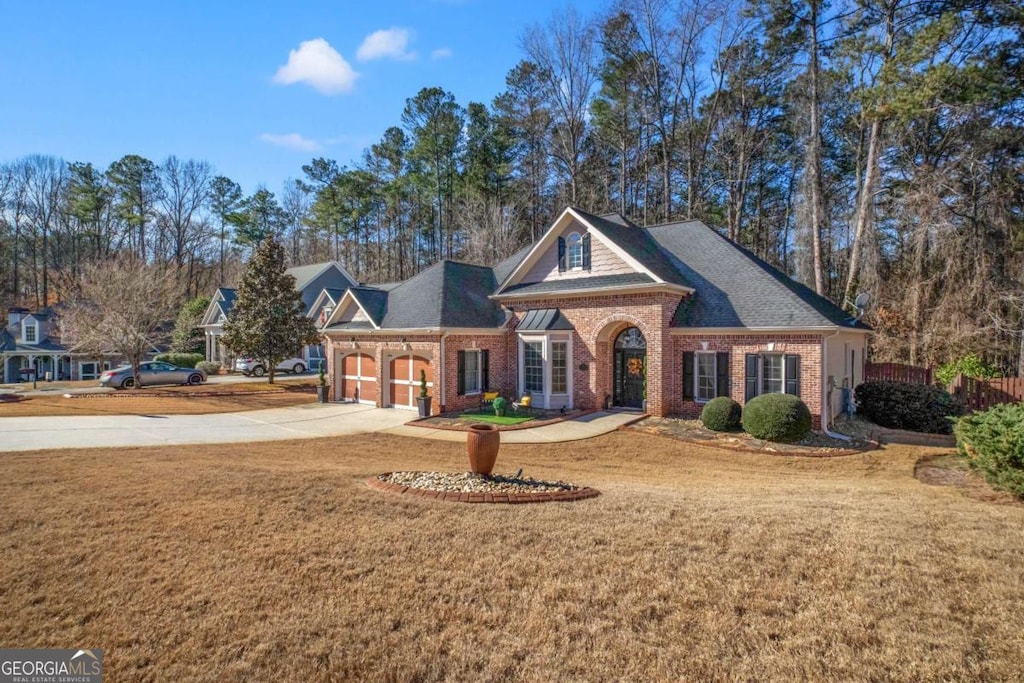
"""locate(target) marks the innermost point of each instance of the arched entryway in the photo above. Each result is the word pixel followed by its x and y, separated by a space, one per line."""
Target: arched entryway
pixel 629 369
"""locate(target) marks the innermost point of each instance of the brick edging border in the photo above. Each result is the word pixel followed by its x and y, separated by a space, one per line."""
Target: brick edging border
pixel 377 484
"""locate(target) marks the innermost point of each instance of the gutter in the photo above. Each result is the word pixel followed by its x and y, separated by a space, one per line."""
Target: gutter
pixel 825 402
pixel 442 364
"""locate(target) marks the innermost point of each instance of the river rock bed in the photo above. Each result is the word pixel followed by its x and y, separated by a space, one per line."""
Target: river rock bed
pixel 468 482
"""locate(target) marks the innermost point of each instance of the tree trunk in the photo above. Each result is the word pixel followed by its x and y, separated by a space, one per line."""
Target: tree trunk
pixel 814 156
pixel 865 207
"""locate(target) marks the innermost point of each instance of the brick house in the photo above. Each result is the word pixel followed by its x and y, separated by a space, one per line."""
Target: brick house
pixel 599 312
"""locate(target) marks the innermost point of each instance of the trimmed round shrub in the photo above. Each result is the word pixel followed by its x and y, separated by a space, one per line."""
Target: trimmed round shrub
pixel 722 414
pixel 902 405
pixel 500 406
pixel 208 367
pixel 777 417
pixel 993 443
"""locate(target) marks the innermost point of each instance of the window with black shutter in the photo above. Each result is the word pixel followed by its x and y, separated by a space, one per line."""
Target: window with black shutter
pixel 586 251
pixel 750 376
pixel 461 373
pixel 688 379
pixel 485 370
pixel 722 368
pixel 793 375
pixel 561 254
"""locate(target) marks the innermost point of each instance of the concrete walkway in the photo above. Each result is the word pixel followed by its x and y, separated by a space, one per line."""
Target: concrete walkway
pixel 583 427
pixel 309 421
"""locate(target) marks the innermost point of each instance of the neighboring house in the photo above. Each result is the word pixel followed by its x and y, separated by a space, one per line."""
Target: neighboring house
pixel 599 312
pixel 30 341
pixel 311 281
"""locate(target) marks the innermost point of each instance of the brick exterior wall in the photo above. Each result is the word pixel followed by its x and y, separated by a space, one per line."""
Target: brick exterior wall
pixel 807 346
pixel 597 321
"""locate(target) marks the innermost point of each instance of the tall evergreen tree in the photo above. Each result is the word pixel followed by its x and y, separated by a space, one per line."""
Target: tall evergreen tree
pixel 268 319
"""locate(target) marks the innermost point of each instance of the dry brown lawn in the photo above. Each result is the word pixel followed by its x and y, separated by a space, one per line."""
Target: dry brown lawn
pixel 275 562
pixel 168 400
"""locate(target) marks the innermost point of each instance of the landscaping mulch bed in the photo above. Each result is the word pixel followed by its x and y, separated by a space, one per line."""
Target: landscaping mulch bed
pixel 461 422
pixel 693 431
pixel 467 487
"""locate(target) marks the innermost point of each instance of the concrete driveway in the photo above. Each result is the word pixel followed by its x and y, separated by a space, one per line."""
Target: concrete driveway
pixel 308 421
pixel 275 424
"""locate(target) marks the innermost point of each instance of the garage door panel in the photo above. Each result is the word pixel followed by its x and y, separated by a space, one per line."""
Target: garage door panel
pixel 358 380
pixel 420 363
pixel 369 367
pixel 350 364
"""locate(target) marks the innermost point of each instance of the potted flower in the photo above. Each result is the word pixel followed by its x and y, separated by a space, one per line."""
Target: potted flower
pixel 423 400
pixel 321 390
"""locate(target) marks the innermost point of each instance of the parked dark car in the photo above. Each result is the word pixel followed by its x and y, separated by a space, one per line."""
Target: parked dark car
pixel 150 374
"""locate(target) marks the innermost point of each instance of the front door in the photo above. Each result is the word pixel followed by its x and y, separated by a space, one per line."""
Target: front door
pixel 630 369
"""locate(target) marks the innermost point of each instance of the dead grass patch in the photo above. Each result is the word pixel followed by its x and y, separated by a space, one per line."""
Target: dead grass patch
pixel 276 562
pixel 163 403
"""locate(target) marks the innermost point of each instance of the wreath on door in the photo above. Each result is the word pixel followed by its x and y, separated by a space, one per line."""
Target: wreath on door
pixel 635 366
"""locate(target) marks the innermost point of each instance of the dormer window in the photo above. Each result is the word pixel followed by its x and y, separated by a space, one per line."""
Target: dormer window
pixel 325 314
pixel 575 243
pixel 31 333
pixel 574 252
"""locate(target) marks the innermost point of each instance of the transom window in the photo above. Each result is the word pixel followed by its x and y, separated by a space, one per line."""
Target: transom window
pixel 706 376
pixel 31 334
pixel 773 374
pixel 533 366
pixel 631 338
pixel 575 245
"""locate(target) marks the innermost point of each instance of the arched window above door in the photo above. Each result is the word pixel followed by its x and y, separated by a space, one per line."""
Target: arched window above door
pixel 631 338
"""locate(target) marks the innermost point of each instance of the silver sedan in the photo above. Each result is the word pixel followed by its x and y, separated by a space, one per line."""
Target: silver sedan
pixel 150 374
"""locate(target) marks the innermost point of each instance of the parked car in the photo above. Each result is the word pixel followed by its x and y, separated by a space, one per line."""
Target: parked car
pixel 151 373
pixel 258 368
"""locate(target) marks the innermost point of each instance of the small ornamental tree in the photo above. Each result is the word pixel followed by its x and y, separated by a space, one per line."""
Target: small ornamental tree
pixel 268 319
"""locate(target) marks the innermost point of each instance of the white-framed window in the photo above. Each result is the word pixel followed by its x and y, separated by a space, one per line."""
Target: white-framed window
pixel 706 376
pixel 472 369
pixel 575 247
pixel 31 334
pixel 773 374
pixel 559 367
pixel 533 367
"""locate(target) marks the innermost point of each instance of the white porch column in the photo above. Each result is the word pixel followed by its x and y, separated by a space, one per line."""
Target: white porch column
pixel 209 350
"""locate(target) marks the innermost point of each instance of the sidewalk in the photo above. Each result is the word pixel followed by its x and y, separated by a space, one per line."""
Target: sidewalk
pixel 310 421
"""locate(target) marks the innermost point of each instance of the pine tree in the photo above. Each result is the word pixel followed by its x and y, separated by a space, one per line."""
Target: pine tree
pixel 268 319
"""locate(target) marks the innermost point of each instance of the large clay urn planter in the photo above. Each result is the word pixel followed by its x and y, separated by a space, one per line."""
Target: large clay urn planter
pixel 482 446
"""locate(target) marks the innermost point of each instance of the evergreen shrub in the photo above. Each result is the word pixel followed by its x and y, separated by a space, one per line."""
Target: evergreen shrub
pixel 777 417
pixel 208 367
pixel 993 443
pixel 182 360
pixel 902 405
pixel 722 414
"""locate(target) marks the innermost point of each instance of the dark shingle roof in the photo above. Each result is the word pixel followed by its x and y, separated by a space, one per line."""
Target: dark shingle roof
pixel 447 294
pixel 373 301
pixel 637 243
pixel 734 288
pixel 504 268
pixel 580 283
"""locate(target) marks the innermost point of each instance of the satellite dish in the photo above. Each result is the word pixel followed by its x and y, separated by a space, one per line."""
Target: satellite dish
pixel 862 300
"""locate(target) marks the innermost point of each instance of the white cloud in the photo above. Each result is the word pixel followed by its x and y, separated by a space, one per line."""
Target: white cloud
pixel 441 53
pixel 319 65
pixel 390 43
pixel 292 141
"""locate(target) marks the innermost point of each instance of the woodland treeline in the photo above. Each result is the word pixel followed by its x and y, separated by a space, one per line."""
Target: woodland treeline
pixel 872 146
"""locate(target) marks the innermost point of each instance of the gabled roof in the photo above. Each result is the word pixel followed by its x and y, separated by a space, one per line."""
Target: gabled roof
pixel 305 274
pixel 631 243
pixel 10 344
pixel 734 288
pixel 448 294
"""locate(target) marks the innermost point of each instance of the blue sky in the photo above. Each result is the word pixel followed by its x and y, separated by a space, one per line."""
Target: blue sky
pixel 255 88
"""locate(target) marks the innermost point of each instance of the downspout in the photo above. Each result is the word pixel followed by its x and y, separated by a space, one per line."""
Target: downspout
pixel 825 395
pixel 443 358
